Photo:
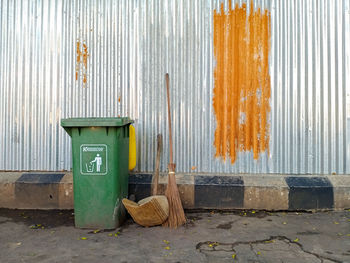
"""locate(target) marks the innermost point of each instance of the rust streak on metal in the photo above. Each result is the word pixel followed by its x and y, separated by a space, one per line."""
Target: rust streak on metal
pixel 242 81
pixel 82 61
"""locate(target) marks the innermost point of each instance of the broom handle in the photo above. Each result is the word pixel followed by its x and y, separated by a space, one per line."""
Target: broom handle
pixel 169 118
pixel 156 174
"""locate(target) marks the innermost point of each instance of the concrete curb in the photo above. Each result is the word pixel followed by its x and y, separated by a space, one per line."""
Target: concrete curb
pixel 54 190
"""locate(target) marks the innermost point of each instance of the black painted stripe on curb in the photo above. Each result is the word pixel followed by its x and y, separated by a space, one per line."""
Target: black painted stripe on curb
pixel 218 192
pixel 310 193
pixel 140 185
pixel 47 178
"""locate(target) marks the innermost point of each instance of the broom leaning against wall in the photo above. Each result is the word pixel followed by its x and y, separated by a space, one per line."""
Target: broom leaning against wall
pixel 176 212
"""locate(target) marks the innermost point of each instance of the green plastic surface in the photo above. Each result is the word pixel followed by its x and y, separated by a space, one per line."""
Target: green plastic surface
pixel 89 122
pixel 100 170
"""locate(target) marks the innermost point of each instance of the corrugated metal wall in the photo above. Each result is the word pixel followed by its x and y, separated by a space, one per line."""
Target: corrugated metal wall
pixel 130 45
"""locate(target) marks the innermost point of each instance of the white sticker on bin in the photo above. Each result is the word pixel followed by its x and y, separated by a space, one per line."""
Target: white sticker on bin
pixel 93 159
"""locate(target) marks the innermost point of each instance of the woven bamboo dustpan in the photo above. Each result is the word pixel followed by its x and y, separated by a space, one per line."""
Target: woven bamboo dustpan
pixel 151 211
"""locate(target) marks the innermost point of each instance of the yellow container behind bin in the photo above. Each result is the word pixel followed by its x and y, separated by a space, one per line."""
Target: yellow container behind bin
pixel 132 148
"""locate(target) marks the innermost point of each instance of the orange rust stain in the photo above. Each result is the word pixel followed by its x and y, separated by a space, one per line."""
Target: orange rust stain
pixel 119 99
pixel 85 55
pixel 242 81
pixel 82 61
pixel 79 54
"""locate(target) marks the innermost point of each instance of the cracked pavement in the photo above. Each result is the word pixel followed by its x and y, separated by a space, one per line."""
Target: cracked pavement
pixel 217 236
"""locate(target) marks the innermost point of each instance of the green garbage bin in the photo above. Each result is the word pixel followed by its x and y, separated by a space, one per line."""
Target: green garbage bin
pixel 100 170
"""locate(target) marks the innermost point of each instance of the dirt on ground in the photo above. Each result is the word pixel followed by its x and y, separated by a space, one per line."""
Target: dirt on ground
pixel 208 236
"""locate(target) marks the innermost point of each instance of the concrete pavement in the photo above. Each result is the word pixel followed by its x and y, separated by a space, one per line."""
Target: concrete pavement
pixel 236 236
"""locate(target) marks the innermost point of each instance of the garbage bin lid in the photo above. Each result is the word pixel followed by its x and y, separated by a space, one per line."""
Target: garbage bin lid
pixel 95 122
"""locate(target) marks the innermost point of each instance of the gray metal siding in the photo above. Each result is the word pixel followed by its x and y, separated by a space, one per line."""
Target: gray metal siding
pixel 132 44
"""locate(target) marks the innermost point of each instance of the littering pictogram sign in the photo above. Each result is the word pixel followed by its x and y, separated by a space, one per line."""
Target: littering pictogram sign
pixel 93 159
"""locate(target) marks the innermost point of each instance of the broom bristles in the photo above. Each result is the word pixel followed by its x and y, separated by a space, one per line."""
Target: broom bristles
pixel 176 212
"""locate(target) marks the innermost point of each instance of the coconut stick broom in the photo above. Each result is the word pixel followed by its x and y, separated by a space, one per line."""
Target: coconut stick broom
pixel 176 212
